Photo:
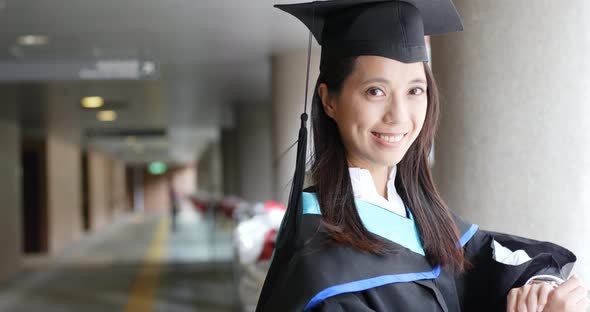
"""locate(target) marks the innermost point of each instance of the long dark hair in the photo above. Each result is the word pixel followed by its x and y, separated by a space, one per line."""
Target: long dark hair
pixel 414 182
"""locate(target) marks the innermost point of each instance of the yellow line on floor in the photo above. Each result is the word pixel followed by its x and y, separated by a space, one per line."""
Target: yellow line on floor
pixel 141 298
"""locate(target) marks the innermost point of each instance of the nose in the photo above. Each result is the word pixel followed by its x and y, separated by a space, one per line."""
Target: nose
pixel 396 110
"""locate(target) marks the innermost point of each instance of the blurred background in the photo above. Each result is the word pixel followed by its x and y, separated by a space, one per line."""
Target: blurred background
pixel 146 146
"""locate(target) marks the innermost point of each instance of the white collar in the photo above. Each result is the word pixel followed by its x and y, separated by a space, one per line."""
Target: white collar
pixel 363 188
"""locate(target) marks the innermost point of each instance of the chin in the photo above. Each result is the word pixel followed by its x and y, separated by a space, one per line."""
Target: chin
pixel 388 162
pixel 389 159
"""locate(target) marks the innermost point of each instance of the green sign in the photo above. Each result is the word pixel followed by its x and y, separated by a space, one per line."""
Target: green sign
pixel 157 168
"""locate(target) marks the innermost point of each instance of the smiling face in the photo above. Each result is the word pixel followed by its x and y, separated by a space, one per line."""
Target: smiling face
pixel 379 111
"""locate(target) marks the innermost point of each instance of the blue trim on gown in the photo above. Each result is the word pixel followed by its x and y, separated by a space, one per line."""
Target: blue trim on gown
pixel 386 224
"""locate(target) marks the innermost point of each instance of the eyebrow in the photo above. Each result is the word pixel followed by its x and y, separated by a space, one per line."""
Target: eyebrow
pixel 419 80
pixel 383 80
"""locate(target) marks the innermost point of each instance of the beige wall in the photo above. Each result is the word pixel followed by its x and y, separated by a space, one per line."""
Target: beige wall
pixel 156 188
pixel 63 192
pixel 156 193
pixel 210 170
pixel 10 194
pixel 185 180
pixel 230 161
pixel 106 184
pixel 97 190
pixel 118 187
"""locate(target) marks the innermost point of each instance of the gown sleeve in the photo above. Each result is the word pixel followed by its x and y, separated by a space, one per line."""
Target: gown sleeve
pixel 486 281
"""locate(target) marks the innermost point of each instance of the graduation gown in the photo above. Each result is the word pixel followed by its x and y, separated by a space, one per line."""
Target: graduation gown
pixel 318 275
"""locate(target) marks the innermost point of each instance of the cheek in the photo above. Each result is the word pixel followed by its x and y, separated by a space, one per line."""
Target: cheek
pixel 360 120
pixel 354 116
pixel 364 114
pixel 353 120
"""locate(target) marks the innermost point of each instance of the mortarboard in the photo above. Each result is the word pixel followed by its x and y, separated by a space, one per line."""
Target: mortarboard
pixel 393 29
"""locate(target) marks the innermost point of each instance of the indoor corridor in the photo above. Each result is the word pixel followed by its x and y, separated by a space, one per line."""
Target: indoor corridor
pixel 136 264
pixel 118 117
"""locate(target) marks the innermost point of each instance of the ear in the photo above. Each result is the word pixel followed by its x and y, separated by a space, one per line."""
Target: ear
pixel 327 100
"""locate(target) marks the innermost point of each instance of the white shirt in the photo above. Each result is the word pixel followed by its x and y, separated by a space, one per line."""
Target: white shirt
pixel 364 189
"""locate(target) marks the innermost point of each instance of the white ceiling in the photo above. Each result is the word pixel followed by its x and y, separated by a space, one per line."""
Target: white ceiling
pixel 178 32
pixel 213 54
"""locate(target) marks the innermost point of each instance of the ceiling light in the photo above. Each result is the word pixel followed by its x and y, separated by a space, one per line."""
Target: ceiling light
pixel 92 102
pixel 106 115
pixel 33 40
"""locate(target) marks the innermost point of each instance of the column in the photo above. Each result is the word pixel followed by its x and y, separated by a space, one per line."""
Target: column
pixel 513 148
pixel 10 184
pixel 288 97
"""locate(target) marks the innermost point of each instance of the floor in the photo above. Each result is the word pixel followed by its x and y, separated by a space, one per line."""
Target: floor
pixel 137 264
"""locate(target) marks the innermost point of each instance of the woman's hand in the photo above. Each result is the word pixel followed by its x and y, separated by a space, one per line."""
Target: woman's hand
pixel 529 298
pixel 569 296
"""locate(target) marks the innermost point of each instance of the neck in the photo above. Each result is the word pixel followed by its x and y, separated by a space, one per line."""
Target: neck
pixel 380 178
pixel 380 175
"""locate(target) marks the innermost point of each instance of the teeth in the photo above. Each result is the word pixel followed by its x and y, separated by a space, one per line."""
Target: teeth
pixel 390 139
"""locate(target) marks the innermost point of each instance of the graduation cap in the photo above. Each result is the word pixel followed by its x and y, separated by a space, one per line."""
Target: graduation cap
pixel 393 29
pixel 344 28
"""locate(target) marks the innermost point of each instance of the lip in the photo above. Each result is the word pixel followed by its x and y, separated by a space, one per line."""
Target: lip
pixel 390 133
pixel 386 143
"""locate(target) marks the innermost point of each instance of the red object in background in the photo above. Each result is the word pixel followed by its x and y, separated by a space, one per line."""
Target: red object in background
pixel 271 236
pixel 200 205
pixel 228 207
pixel 271 205
pixel 269 246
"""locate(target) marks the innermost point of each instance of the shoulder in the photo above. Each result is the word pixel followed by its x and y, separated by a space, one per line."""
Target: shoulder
pixel 340 278
pixel 467 230
pixel 326 271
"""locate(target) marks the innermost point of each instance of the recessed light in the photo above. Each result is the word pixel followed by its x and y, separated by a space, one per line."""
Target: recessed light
pixel 92 102
pixel 33 40
pixel 148 68
pixel 106 115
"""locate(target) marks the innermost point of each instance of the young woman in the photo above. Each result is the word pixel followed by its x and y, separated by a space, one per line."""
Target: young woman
pixel 372 233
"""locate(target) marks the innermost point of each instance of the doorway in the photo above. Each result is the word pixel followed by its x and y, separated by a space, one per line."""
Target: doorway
pixel 34 198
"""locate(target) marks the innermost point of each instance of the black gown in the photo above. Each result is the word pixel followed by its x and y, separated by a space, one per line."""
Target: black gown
pixel 319 276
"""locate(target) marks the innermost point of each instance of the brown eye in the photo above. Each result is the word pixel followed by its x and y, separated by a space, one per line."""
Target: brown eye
pixel 417 91
pixel 375 92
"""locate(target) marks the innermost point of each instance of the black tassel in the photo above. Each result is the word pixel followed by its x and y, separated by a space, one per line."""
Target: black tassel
pixel 292 216
pixel 285 244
